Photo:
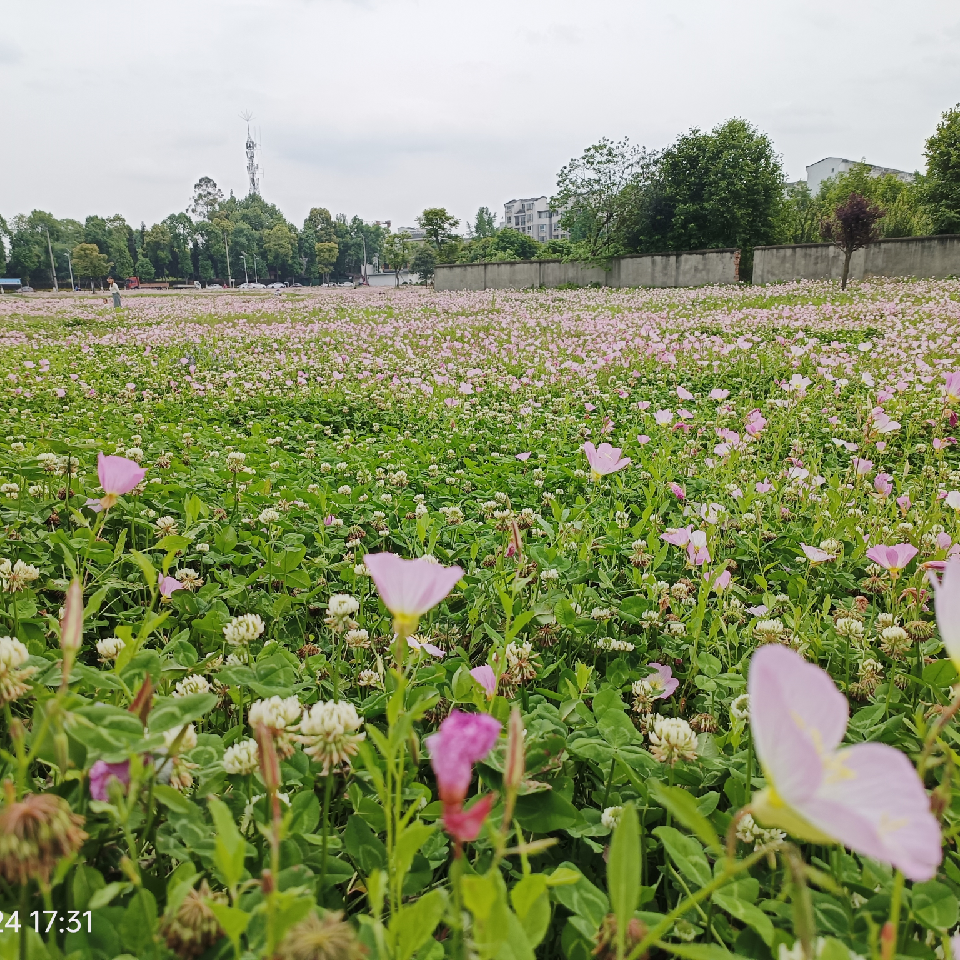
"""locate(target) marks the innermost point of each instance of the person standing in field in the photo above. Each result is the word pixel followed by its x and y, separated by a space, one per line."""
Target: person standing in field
pixel 115 290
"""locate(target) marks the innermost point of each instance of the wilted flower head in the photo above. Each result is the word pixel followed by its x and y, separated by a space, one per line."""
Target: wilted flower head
pixel 329 937
pixel 35 834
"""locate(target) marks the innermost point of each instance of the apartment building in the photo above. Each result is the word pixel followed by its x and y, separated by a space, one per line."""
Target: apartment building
pixel 535 217
pixel 831 166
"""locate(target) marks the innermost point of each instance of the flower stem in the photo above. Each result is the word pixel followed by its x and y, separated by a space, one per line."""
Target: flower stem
pixel 327 788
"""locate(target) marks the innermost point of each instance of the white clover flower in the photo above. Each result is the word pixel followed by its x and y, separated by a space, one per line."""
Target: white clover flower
pixel 341 606
pixel 241 758
pixel 615 646
pixel 740 707
pixel 357 638
pixel 192 683
pixel 849 627
pixel 551 575
pixel 235 461
pixel 13 653
pixel 269 515
pixel 109 648
pixel 243 629
pixel 166 526
pixel 328 733
pixel 275 713
pixel 672 739
pixel 369 678
pixel 610 817
pixel 188 742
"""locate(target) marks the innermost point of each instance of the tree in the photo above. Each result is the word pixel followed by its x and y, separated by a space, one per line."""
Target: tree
pixel 89 262
pixel 852 226
pixel 591 192
pixel 4 232
pixel 396 251
pixel 119 242
pixel 718 189
pixel 144 267
pixel 326 252
pixel 800 216
pixel 485 224
pixel 424 261
pixel 278 247
pixel 207 196
pixel 506 244
pixel 942 182
pixel 322 223
pixel 438 225
pixel 157 243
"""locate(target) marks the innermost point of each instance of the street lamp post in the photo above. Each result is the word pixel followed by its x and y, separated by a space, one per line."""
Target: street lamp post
pixel 70 268
pixel 243 257
pixel 53 269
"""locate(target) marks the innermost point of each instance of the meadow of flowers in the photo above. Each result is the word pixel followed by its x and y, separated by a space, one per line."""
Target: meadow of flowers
pixel 402 624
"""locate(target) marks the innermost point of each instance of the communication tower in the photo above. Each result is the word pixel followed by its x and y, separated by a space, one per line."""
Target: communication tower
pixel 253 168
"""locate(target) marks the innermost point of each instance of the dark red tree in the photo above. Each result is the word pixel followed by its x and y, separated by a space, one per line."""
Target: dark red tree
pixel 854 224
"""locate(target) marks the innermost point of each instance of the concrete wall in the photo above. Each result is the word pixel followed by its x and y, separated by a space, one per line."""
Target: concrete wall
pixel 698 268
pixel 902 257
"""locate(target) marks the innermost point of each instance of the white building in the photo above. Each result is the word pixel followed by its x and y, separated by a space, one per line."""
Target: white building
pixel 831 166
pixel 535 217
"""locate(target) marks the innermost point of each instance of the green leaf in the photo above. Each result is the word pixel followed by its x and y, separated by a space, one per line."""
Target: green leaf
pixel 150 574
pixel 616 728
pixel 413 837
pixel 623 868
pixel 684 809
pixel 230 847
pixel 233 920
pixel 364 846
pixel 531 901
pixel 172 543
pixel 413 925
pixel 747 913
pixel 86 882
pixel 173 799
pixel 545 812
pixel 686 854
pixel 697 951
pixel 940 673
pixel 935 905
pixel 139 920
pixel 170 712
pixel 479 895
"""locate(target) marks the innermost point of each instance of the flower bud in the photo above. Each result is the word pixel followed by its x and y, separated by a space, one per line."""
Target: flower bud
pixel 269 763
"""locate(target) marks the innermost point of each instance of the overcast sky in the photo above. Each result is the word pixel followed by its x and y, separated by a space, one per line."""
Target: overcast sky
pixel 383 107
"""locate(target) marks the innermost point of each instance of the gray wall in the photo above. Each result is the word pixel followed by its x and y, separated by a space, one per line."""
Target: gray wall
pixel 695 269
pixel 903 257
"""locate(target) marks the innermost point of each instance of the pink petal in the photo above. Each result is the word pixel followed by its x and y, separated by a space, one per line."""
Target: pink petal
pixel 463 824
pixel 410 587
pixel 486 678
pixel 118 474
pixel 796 713
pixel 872 800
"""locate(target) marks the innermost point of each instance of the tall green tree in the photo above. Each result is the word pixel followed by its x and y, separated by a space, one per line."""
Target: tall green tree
pixel 718 189
pixel 942 182
pixel 278 248
pixel 89 263
pixel 325 254
pixel 484 224
pixel 207 196
pixel 424 261
pixel 396 253
pixel 438 225
pixel 592 192
pixel 120 246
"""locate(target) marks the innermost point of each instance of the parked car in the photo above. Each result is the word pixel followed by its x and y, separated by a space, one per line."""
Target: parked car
pixel 276 286
pixel 214 286
pixel 252 286
pixel 25 290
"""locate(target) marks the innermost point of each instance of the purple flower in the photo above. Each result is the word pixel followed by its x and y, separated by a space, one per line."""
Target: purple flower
pixel 102 772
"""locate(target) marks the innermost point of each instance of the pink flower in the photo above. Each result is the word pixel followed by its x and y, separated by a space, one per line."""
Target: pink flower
pixel 101 773
pixel 486 678
pixel 663 417
pixel 697 551
pixel 604 459
pixel 462 740
pixel 952 499
pixel 946 602
pixel 867 796
pixel 684 394
pixel 721 582
pixel 883 484
pixel 589 407
pixel 951 387
pixel 430 648
pixel 763 487
pixel 663 683
pixel 678 491
pixel 523 457
pixel 118 476
pixel 862 466
pixel 678 536
pixel 894 558
pixel 816 555
pixel 904 503
pixel 328 520
pixel 642 439
pixel 717 394
pixel 409 588
pixel 168 585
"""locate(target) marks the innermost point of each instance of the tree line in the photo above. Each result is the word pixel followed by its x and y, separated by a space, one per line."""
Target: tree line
pixel 709 189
